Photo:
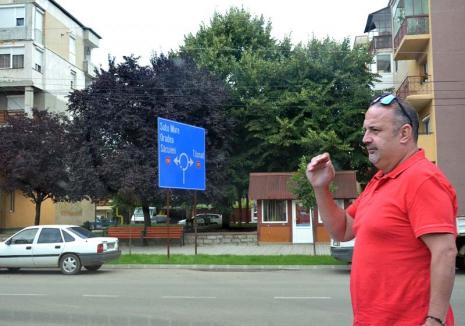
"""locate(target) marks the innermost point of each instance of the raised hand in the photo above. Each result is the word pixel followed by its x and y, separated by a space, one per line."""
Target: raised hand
pixel 320 171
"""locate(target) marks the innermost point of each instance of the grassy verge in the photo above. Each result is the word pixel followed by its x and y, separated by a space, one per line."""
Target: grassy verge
pixel 227 260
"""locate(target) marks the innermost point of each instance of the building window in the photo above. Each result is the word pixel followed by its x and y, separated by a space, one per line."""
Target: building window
pixel 383 63
pixel 39 26
pixel 18 61
pixel 12 57
pixel 4 61
pixel 38 59
pixel 73 79
pixel 274 211
pixel 72 49
pixel 12 17
pixel 302 217
pixel 426 124
pixel 15 102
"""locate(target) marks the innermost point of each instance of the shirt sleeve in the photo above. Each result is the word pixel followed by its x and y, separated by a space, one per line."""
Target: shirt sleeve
pixel 352 209
pixel 433 209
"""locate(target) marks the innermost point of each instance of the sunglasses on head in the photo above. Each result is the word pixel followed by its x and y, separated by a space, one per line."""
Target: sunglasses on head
pixel 387 99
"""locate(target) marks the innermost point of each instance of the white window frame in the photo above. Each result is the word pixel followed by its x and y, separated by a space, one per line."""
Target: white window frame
pixel 12 51
pixel 274 222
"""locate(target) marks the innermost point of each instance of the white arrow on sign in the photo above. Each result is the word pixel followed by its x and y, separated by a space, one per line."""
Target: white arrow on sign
pixel 178 161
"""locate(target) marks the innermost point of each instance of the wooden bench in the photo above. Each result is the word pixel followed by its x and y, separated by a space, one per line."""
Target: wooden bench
pixel 125 232
pixel 165 232
pixel 153 232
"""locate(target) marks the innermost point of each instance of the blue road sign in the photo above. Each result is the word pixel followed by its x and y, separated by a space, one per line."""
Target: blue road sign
pixel 181 155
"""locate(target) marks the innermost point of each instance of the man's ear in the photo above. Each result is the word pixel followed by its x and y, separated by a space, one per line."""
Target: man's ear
pixel 406 133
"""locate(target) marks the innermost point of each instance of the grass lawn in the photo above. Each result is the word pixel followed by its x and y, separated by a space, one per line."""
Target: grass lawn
pixel 227 260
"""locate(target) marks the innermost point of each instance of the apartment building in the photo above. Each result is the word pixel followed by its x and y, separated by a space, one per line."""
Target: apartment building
pixel 429 72
pixel 379 37
pixel 45 53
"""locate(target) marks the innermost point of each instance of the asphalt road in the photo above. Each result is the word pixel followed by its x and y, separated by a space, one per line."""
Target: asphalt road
pixel 183 297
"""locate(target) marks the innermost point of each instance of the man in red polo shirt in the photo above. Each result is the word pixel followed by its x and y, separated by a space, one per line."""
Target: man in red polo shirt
pixel 403 265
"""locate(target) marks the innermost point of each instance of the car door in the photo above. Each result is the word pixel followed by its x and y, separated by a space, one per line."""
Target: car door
pixel 48 247
pixel 17 251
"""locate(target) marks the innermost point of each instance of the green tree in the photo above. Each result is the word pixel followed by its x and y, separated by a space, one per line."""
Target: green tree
pixel 225 47
pixel 290 101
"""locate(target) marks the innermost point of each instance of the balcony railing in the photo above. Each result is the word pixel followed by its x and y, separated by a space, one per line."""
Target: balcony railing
pixel 412 25
pixel 414 85
pixel 381 42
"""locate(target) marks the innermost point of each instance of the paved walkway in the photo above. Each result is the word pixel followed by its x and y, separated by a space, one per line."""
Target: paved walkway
pixel 222 249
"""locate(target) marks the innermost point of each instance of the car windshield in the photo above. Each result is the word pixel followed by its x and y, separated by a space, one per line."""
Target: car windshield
pixel 81 232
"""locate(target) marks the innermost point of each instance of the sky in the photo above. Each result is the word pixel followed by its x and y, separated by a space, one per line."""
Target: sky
pixel 148 26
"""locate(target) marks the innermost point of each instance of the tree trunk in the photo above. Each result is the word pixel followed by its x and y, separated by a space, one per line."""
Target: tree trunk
pixel 247 209
pixel 147 221
pixel 37 217
pixel 240 211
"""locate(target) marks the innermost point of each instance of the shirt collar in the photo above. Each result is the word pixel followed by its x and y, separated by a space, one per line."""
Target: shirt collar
pixel 418 156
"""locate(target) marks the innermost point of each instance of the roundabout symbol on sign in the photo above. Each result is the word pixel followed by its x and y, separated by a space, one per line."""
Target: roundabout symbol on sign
pixel 183 164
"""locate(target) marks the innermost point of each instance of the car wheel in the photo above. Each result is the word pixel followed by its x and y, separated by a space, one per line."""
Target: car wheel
pixel 13 269
pixel 93 268
pixel 70 264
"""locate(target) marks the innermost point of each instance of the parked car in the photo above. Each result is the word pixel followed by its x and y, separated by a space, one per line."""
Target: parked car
pixel 68 247
pixel 204 219
pixel 100 223
pixel 159 219
pixel 342 250
pixel 209 218
pixel 138 216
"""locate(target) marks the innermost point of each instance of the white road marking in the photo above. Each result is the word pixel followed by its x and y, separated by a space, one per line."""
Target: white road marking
pixel 100 296
pixel 185 297
pixel 302 298
pixel 23 294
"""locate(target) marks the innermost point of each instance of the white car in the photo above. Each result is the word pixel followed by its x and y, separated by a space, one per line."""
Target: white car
pixel 68 247
pixel 342 250
pixel 205 219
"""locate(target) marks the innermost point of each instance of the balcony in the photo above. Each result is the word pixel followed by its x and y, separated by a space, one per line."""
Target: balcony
pixel 417 90
pixel 381 42
pixel 412 38
pixel 13 33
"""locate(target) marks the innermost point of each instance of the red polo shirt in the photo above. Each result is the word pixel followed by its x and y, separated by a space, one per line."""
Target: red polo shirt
pixel 390 278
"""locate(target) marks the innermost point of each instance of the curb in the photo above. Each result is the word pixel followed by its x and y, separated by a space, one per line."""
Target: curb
pixel 229 267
